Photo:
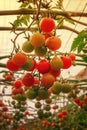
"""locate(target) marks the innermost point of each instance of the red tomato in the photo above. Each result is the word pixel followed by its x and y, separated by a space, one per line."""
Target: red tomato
pixel 43 66
pixel 67 62
pixel 11 65
pixel 5 108
pixel 28 79
pixel 16 91
pixel 47 24
pixel 85 99
pixel 64 112
pixel 1 103
pixel 17 84
pixel 8 77
pixel 36 81
pixel 72 56
pixel 60 115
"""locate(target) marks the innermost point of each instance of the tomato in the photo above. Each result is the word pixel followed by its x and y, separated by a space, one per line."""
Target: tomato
pixel 8 77
pixel 47 80
pixel 72 56
pixel 28 79
pixel 85 99
pixel 47 24
pixel 5 108
pixel 67 62
pixel 17 84
pixel 1 103
pixel 53 43
pixel 60 115
pixel 64 112
pixel 12 66
pixel 43 66
pixel 19 58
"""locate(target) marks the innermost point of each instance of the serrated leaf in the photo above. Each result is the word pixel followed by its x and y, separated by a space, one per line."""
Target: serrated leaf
pixel 80 47
pixel 17 23
pixel 79 41
pixel 76 42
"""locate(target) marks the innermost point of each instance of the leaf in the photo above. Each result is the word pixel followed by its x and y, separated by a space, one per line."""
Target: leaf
pixel 75 43
pixel 80 41
pixel 23 5
pixel 60 20
pixel 59 4
pixel 85 59
pixel 70 21
pixel 22 19
pixel 80 46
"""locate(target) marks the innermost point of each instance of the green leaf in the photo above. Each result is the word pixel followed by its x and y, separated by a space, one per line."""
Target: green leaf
pixel 21 19
pixel 80 47
pixel 85 59
pixel 23 5
pixel 70 21
pixel 80 41
pixel 60 20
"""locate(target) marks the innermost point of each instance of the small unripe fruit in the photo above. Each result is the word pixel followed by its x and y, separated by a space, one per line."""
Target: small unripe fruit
pixel 43 93
pixel 41 51
pixel 38 105
pixel 66 87
pixel 56 87
pixel 27 47
pixel 56 63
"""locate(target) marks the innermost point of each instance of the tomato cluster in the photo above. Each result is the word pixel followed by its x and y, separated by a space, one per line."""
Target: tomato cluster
pixel 41 67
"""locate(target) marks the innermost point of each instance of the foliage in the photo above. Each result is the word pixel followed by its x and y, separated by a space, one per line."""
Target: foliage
pixel 80 41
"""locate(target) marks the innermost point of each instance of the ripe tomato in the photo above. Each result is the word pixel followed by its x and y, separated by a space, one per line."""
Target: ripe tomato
pixel 64 112
pixel 85 99
pixel 11 65
pixel 43 66
pixel 17 84
pixel 47 24
pixel 26 113
pixel 55 73
pixel 1 103
pixel 76 100
pixel 67 62
pixel 28 80
pixel 53 43
pixel 36 81
pixel 16 91
pixel 5 108
pixel 55 107
pixel 8 77
pixel 72 56
pixel 60 115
